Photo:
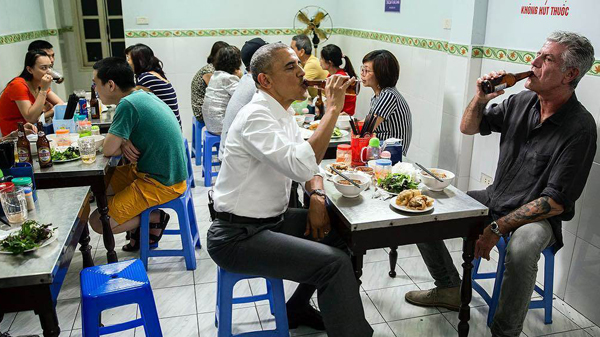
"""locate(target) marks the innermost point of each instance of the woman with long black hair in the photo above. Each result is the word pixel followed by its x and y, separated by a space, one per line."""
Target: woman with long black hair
pixel 150 76
pixel 335 62
pixel 28 96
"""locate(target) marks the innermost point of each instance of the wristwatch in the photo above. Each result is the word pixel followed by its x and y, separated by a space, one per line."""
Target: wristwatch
pixel 495 229
pixel 318 192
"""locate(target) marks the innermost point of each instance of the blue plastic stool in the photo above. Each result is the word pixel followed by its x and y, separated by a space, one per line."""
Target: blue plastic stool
pixel 114 285
pixel 190 169
pixel 210 141
pixel 197 140
pixel 225 301
pixel 546 293
pixel 188 230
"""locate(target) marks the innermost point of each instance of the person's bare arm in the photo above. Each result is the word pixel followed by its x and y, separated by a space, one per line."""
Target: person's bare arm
pixel 318 223
pixel 471 119
pixel 112 145
pixel 206 77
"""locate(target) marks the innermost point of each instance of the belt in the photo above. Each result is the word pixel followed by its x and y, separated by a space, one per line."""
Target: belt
pixel 242 219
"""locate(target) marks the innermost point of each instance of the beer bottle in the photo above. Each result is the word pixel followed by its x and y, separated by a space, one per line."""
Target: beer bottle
pixel 352 90
pixel 23 146
pixel 320 106
pixel 94 104
pixel 503 82
pixel 43 147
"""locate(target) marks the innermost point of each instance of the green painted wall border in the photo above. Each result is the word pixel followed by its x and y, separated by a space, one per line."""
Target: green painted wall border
pixel 26 36
pixel 516 56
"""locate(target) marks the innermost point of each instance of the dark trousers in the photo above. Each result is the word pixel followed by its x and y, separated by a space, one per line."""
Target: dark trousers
pixel 280 250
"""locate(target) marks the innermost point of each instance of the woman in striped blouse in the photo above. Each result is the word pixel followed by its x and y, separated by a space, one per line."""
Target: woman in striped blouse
pixel 380 72
pixel 149 75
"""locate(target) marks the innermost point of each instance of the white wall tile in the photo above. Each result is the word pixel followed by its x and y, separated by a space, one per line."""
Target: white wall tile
pixel 590 212
pixel 584 276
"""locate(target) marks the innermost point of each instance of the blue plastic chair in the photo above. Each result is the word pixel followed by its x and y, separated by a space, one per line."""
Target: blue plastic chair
pixel 546 293
pixel 197 140
pixel 225 301
pixel 210 141
pixel 190 169
pixel 114 285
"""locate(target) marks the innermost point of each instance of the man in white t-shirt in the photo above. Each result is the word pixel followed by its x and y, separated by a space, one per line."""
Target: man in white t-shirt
pixel 254 232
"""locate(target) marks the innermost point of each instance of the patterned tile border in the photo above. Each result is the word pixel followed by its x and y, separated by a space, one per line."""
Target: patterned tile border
pixel 19 37
pixel 516 56
pixel 210 32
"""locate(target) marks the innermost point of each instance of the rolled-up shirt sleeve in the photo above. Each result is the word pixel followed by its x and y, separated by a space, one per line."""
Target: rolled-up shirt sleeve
pixel 494 116
pixel 266 140
pixel 569 175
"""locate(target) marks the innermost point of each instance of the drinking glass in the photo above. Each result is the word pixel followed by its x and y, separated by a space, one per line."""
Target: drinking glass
pixel 87 149
pixel 14 206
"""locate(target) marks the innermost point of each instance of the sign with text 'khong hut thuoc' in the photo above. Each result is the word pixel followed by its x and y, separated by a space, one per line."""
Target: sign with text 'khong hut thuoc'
pixel 392 6
pixel 546 8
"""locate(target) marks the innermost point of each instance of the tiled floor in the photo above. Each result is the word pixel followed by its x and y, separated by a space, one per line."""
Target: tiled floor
pixel 186 299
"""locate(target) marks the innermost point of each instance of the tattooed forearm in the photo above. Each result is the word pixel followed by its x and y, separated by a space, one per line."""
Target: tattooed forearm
pixel 479 108
pixel 539 209
pixel 472 117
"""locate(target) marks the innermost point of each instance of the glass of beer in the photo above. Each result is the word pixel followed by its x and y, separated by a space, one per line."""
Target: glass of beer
pixel 87 149
pixel 352 90
pixel 56 76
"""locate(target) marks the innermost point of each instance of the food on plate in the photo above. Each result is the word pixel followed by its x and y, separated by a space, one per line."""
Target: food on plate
pixel 397 182
pixel 337 133
pixel 346 182
pixel 69 153
pixel 31 235
pixel 413 199
pixel 341 166
pixel 365 169
pixel 313 126
pixel 436 173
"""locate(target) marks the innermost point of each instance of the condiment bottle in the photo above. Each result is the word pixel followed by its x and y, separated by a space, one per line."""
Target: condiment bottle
pixel 43 147
pixel 23 146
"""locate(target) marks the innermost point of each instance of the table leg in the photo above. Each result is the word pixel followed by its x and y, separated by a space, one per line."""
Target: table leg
pixel 466 290
pixel 47 314
pixel 107 234
pixel 85 248
pixel 393 259
pixel 357 262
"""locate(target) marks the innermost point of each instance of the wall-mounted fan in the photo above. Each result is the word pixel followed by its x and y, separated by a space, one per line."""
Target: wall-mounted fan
pixel 315 21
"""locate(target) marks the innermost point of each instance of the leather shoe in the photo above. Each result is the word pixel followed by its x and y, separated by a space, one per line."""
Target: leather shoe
pixel 307 316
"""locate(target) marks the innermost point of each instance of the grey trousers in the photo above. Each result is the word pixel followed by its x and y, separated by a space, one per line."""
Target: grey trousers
pixel 280 250
pixel 522 255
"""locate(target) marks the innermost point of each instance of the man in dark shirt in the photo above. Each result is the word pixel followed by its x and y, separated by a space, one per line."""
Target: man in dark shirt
pixel 547 146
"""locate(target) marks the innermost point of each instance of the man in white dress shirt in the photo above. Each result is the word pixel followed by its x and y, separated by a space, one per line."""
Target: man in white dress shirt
pixel 254 232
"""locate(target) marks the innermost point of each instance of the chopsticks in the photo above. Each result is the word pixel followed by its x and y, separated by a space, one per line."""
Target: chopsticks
pixel 343 176
pixel 368 125
pixel 353 126
pixel 429 172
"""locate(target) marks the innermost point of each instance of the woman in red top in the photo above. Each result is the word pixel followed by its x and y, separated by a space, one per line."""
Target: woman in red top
pixel 27 96
pixel 331 60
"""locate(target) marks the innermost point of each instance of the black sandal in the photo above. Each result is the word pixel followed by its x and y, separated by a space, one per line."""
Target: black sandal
pixel 135 235
pixel 162 225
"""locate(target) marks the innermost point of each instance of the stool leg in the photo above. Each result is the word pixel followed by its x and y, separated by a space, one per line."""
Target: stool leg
pixel 281 321
pixel 270 293
pixel 497 284
pixel 186 239
pixel 194 138
pixel 150 317
pixel 90 320
pixel 144 237
pixel 225 301
pixel 198 145
pixel 207 164
pixel 548 286
pixel 193 224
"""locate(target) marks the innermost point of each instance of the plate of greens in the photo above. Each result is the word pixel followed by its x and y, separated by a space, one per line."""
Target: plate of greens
pixel 30 237
pixel 64 155
pixel 395 183
pixel 337 133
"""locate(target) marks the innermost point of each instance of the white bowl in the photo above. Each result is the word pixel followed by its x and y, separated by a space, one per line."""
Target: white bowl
pixel 343 122
pixel 432 183
pixel 351 191
pixel 309 118
pixel 99 139
pixel 72 137
pixel 299 119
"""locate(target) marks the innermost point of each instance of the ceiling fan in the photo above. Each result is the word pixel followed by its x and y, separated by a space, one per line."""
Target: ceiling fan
pixel 315 21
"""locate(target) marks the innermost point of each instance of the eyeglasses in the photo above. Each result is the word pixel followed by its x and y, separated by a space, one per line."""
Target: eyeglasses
pixel 364 70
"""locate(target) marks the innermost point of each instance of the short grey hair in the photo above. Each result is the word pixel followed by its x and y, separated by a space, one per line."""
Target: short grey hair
pixel 263 58
pixel 579 53
pixel 303 42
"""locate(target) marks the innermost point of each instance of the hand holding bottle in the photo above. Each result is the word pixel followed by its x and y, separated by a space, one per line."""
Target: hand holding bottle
pixel 480 94
pixel 335 91
pixel 45 82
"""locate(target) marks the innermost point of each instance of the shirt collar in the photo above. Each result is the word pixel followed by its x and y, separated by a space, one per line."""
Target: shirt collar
pixel 276 109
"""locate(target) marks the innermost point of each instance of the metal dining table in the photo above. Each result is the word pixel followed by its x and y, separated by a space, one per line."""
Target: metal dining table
pixel 371 223
pixel 31 281
pixel 96 175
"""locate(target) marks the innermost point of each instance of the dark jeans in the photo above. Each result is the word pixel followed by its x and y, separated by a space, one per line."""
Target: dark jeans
pixel 280 250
